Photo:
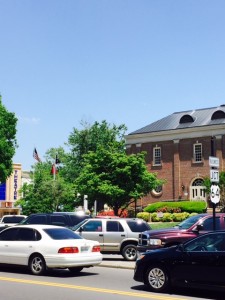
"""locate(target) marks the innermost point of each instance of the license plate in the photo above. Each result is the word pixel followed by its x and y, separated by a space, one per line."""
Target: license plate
pixel 84 248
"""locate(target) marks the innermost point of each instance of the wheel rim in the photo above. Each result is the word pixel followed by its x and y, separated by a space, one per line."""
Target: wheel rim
pixel 156 278
pixel 130 253
pixel 37 264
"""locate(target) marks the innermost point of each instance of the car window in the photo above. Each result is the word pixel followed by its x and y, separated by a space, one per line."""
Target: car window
pixel 8 234
pixel 211 243
pixel 58 220
pixel 62 234
pixel 137 226
pixel 208 224
pixel 27 234
pixel 188 222
pixel 42 219
pixel 93 226
pixel 13 219
pixel 77 219
pixel 114 226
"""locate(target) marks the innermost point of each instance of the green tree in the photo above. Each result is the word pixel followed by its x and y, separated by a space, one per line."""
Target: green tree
pixel 89 138
pixel 8 142
pixel 115 178
pixel 46 193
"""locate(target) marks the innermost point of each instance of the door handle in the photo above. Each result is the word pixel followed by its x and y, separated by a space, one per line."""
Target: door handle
pixel 100 234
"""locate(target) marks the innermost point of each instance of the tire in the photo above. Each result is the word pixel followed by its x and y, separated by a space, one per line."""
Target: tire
pixel 129 252
pixel 37 264
pixel 76 270
pixel 157 279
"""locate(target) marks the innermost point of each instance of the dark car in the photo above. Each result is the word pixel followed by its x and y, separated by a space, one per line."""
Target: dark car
pixel 186 230
pixel 198 263
pixel 66 219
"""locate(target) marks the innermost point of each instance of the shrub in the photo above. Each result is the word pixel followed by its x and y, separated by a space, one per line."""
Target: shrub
pixel 178 206
pixel 144 216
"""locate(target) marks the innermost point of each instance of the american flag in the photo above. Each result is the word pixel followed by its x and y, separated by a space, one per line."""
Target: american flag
pixel 36 156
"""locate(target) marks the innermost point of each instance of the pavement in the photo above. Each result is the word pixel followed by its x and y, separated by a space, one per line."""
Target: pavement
pixel 116 261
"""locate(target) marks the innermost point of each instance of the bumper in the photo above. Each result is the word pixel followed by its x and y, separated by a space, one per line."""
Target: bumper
pixel 71 260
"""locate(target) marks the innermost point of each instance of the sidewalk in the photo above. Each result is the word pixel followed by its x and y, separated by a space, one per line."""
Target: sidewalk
pixel 116 261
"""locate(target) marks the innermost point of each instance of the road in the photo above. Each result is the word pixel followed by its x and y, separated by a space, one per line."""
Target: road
pixel 97 283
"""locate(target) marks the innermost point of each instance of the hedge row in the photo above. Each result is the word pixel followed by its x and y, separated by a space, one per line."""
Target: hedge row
pixel 178 206
pixel 164 217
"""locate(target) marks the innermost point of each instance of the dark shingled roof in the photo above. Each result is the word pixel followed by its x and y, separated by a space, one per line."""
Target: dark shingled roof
pixel 186 119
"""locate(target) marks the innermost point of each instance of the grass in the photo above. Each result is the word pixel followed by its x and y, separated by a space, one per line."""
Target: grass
pixel 162 225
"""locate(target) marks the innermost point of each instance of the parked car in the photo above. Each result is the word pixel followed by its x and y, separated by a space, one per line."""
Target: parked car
pixel 186 230
pixel 10 220
pixel 115 235
pixel 199 263
pixel 46 246
pixel 66 219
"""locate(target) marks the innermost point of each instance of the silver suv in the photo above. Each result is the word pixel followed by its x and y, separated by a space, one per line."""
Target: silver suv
pixel 115 235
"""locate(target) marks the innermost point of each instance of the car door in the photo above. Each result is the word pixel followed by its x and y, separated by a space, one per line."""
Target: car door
pixel 114 235
pixel 16 245
pixel 202 261
pixel 93 230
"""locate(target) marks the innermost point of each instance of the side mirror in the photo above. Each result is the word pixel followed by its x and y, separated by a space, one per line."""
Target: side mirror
pixel 81 229
pixel 199 227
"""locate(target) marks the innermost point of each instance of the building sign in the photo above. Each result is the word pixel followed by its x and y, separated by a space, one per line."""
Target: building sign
pixel 2 191
pixel 15 184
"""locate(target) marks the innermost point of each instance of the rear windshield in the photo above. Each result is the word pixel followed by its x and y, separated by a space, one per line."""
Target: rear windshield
pixel 14 219
pixel 62 234
pixel 138 226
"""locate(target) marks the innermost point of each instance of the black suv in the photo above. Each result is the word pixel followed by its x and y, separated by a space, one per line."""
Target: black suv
pixel 67 219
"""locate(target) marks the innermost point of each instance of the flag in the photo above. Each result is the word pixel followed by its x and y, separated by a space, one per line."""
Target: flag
pixel 36 156
pixel 54 169
pixel 57 161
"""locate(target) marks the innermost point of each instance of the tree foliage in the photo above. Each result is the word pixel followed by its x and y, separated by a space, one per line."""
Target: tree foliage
pixel 8 142
pixel 96 165
pixel 89 138
pixel 115 178
pixel 46 193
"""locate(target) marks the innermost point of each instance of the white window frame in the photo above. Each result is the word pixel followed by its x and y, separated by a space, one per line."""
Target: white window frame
pixel 157 156
pixel 197 153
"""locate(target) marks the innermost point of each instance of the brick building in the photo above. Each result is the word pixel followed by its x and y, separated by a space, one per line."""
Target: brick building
pixel 178 148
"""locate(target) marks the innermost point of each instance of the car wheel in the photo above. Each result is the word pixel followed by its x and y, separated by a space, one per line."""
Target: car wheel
pixel 37 264
pixel 157 279
pixel 129 252
pixel 76 270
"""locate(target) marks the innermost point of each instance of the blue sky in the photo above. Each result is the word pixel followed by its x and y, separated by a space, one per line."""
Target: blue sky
pixel 127 62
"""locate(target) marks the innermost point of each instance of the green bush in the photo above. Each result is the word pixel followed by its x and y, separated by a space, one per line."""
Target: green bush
pixel 166 217
pixel 144 216
pixel 177 206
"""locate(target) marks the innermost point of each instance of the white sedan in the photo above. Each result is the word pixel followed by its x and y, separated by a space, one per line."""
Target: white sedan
pixel 46 246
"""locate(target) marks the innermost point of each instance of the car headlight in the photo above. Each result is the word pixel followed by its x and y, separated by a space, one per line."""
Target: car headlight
pixel 155 242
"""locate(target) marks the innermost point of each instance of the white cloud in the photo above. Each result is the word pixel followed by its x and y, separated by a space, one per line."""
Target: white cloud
pixel 26 120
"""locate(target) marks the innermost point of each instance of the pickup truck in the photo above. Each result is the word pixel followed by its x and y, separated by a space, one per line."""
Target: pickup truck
pixel 188 229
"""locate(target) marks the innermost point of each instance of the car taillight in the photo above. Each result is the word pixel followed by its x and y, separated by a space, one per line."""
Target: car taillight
pixel 96 249
pixel 68 250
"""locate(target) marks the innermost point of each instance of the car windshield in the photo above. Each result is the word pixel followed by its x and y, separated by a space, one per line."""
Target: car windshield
pixel 14 219
pixel 62 234
pixel 78 225
pixel 188 222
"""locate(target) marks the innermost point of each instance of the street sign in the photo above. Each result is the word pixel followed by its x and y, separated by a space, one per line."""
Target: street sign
pixel 214 175
pixel 214 161
pixel 215 194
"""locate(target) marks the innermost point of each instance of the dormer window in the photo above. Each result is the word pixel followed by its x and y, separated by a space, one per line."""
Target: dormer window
pixel 219 114
pixel 186 119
